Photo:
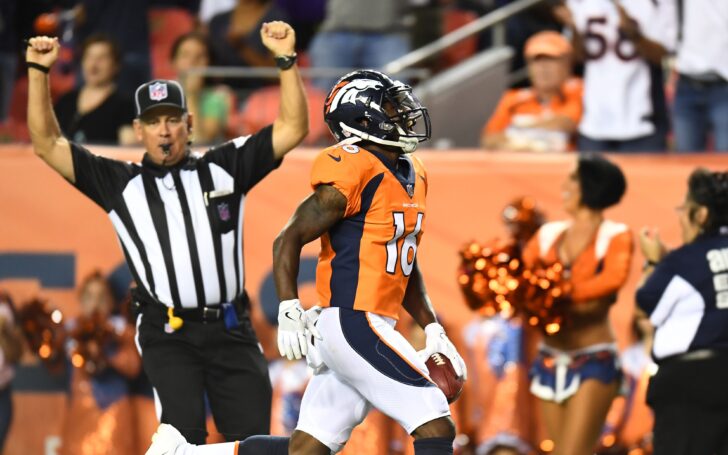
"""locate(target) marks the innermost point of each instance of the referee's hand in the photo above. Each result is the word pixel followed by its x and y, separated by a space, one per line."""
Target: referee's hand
pixel 278 37
pixel 42 50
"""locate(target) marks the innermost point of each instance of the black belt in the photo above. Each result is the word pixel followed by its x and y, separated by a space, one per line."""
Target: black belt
pixel 207 314
pixel 704 83
pixel 204 314
pixel 701 354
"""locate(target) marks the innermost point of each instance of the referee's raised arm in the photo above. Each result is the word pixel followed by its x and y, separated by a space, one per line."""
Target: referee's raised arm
pixel 45 134
pixel 291 125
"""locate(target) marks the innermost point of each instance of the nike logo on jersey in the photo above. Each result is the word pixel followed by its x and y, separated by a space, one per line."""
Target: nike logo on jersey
pixel 335 158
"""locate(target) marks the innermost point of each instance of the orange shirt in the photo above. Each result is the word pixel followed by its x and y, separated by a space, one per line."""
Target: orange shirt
pixel 600 270
pixel 524 102
pixel 366 258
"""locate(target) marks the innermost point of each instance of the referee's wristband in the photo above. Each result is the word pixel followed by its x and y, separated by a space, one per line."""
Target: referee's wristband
pixel 39 67
pixel 284 62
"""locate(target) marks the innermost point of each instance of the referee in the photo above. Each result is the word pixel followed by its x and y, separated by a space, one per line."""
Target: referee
pixel 178 216
pixel 685 296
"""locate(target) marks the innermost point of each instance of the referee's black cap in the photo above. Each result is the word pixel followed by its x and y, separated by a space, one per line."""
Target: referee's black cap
pixel 159 92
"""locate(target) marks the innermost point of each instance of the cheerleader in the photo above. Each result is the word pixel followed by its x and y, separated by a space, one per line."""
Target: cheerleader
pixel 576 373
pixel 100 416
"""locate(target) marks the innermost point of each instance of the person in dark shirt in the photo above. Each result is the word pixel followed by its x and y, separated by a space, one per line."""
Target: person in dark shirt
pixel 235 39
pixel 8 53
pixel 97 112
pixel 125 21
pixel 685 297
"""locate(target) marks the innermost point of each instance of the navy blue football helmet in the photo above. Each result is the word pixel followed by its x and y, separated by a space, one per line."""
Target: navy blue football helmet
pixel 367 105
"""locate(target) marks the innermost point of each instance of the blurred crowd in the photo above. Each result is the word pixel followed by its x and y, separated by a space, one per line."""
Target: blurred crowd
pixel 636 76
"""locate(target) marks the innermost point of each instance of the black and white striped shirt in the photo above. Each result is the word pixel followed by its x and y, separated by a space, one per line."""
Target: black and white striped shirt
pixel 686 298
pixel 180 227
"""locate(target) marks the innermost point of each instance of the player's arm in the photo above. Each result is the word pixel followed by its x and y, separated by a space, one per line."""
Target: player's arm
pixel 562 14
pixel 291 125
pixel 416 301
pixel 418 305
pixel 650 50
pixel 45 134
pixel 314 216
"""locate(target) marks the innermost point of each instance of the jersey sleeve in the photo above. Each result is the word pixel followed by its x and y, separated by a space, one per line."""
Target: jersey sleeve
pixel 501 117
pixel 654 293
pixel 99 178
pixel 336 168
pixel 662 26
pixel 614 273
pixel 247 158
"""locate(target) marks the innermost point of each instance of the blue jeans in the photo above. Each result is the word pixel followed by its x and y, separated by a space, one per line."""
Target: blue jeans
pixel 8 67
pixel 354 50
pixel 655 142
pixel 700 109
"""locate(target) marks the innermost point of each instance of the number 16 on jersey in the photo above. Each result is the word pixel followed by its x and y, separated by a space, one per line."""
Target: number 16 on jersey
pixel 410 243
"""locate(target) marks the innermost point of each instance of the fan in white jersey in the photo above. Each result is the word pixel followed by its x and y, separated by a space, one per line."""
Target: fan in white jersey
pixel 622 44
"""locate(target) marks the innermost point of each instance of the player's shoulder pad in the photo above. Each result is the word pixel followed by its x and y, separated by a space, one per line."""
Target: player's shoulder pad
pixel 419 165
pixel 346 154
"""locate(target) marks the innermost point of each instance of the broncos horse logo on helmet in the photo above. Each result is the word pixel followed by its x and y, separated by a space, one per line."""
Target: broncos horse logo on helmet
pixel 367 105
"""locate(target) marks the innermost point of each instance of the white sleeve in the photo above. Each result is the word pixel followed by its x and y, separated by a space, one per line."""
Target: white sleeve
pixel 662 26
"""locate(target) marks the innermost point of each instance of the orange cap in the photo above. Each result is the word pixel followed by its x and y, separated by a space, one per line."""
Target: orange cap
pixel 549 43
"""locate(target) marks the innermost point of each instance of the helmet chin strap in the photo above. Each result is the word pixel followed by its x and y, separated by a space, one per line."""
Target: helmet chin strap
pixel 407 144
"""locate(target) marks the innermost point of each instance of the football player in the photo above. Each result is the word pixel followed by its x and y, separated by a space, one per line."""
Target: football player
pixel 368 207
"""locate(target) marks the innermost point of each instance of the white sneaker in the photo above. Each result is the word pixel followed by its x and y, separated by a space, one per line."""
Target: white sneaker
pixel 166 440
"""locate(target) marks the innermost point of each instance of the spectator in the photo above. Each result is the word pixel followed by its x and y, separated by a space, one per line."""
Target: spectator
pixel 305 18
pixel 105 358
pixel 685 296
pixel 701 101
pixel 623 45
pixel 543 117
pixel 124 21
pixel 359 34
pixel 235 37
pixel 11 348
pixel 211 8
pixel 9 18
pixel 97 112
pixel 522 26
pixel 209 106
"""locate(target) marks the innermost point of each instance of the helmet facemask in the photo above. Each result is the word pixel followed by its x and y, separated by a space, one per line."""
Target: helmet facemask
pixel 389 114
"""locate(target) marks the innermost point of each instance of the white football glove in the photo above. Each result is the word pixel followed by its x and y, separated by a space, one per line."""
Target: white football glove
pixel 292 326
pixel 437 341
pixel 313 358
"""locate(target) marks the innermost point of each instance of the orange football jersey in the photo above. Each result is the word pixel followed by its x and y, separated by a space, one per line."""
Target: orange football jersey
pixel 367 257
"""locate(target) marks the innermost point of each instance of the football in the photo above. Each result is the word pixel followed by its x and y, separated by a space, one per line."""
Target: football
pixel 443 374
